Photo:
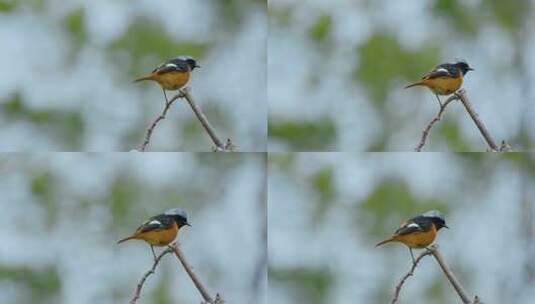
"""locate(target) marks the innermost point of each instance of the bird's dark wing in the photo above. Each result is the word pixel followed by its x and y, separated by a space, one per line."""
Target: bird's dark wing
pixel 408 228
pixel 173 65
pixel 155 223
pixel 442 70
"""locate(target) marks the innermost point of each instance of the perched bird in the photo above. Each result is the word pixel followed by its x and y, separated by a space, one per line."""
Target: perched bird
pixel 444 79
pixel 173 74
pixel 160 230
pixel 419 231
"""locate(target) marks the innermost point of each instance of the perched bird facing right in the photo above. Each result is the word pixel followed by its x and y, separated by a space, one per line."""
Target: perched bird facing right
pixel 173 74
pixel 419 231
pixel 444 79
pixel 160 230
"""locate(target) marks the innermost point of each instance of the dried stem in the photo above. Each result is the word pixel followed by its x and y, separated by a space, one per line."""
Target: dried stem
pixel 462 96
pixel 410 273
pixel 186 93
pixel 202 290
pixel 433 250
pixel 451 277
pixel 425 132
pixel 147 274
pixel 168 104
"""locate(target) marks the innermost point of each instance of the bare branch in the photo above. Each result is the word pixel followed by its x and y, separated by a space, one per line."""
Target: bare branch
pixel 219 146
pixel 202 290
pixel 425 132
pixel 147 274
pixel 433 250
pixel 410 273
pixel 451 277
pixel 143 146
pixel 463 97
pixel 186 93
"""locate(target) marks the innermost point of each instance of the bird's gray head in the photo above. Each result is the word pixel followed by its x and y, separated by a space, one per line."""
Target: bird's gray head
pixel 192 63
pixel 437 218
pixel 180 216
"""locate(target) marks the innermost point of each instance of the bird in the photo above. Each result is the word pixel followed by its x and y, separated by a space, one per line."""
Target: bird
pixel 161 229
pixel 419 231
pixel 444 79
pixel 173 74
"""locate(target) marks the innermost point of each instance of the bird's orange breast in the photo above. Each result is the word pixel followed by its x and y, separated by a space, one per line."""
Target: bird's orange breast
pixel 419 239
pixel 172 80
pixel 160 237
pixel 443 85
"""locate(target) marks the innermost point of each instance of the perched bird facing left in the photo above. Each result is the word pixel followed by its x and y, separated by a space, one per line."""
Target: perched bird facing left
pixel 444 79
pixel 419 231
pixel 173 74
pixel 160 230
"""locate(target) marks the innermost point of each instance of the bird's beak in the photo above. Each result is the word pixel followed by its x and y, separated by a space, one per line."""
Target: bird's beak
pixel 470 69
pixel 197 66
pixel 187 224
pixel 446 227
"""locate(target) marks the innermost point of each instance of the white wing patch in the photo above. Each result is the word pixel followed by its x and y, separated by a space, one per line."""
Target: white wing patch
pixel 442 70
pixel 154 222
pixel 171 65
pixel 413 225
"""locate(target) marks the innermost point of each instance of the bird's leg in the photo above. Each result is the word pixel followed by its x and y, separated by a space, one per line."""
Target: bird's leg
pixel 152 248
pixel 412 256
pixel 439 102
pixel 165 95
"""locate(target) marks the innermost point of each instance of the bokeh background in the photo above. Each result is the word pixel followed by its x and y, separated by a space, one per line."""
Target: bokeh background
pixel 67 68
pixel 62 214
pixel 328 210
pixel 337 69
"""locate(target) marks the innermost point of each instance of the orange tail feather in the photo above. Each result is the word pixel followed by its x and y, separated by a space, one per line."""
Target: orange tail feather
pixel 146 77
pixel 384 242
pixel 126 239
pixel 419 83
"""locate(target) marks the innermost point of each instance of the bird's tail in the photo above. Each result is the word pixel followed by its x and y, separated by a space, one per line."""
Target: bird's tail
pixel 384 242
pixel 146 77
pixel 419 83
pixel 126 239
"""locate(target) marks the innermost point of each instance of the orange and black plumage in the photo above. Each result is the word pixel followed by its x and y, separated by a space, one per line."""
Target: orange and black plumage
pixel 419 231
pixel 172 74
pixel 160 230
pixel 444 79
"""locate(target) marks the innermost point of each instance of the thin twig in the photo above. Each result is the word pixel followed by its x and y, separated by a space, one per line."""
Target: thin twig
pixel 143 146
pixel 186 93
pixel 479 123
pixel 202 290
pixel 451 277
pixel 425 132
pixel 219 146
pixel 147 274
pixel 410 273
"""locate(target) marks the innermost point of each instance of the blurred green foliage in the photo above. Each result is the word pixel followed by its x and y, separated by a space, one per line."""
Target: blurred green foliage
pixel 146 37
pixel 450 131
pixel 459 16
pixel 40 284
pixel 75 24
pixel 10 5
pixel 382 60
pixel 311 285
pixel 67 127
pixel 42 186
pixel 323 184
pixel 321 28
pixel 304 136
